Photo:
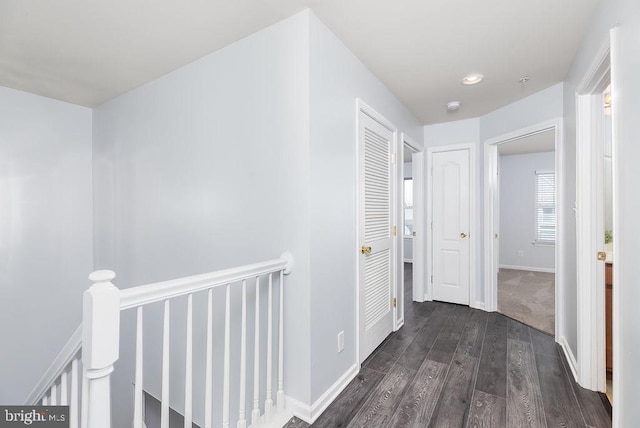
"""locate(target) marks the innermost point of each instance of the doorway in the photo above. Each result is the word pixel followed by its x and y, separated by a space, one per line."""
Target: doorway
pixel 544 226
pixel 526 229
pixel 412 223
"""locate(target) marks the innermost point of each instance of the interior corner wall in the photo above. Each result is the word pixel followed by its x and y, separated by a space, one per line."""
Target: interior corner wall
pixel 540 107
pixel 518 212
pixel 625 15
pixel 337 77
pixel 45 233
pixel 203 169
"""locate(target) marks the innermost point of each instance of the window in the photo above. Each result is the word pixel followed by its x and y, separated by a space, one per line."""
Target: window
pixel 545 207
pixel 408 207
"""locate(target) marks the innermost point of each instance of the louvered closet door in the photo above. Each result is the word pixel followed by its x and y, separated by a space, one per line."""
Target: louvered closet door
pixel 376 271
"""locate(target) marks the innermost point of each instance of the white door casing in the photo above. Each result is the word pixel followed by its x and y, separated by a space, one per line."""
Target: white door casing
pixel 450 186
pixel 376 266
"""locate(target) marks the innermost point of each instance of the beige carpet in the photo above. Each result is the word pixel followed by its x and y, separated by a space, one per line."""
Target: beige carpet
pixel 528 297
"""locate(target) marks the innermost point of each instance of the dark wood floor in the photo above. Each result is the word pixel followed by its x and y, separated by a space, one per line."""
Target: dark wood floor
pixel 453 366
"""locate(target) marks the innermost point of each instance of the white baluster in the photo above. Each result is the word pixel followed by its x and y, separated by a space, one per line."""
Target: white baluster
pixel 164 404
pixel 101 344
pixel 137 406
pixel 73 399
pixel 84 402
pixel 64 399
pixel 225 395
pixel 268 403
pixel 45 400
pixel 208 389
pixel 255 414
pixel 280 395
pixel 188 382
pixel 53 395
pixel 242 422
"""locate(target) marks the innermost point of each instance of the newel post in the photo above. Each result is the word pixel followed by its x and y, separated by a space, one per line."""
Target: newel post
pixel 100 344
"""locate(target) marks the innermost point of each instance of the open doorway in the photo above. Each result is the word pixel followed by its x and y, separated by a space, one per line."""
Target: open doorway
pixel 527 230
pixel 545 221
pixel 412 230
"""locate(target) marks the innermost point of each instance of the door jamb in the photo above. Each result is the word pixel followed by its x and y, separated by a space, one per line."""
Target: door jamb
pixel 362 107
pixel 418 220
pixel 591 289
pixel 473 230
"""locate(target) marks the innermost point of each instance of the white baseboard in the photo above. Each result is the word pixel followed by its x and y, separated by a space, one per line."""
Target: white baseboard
pixel 532 269
pixel 478 305
pixel 571 359
pixel 309 414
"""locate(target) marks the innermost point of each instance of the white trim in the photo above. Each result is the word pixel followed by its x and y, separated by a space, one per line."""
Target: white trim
pixel 417 165
pixel 531 269
pixel 408 261
pixel 490 184
pixel 571 359
pixel 590 221
pixel 70 350
pixel 310 414
pixel 473 208
pixel 478 305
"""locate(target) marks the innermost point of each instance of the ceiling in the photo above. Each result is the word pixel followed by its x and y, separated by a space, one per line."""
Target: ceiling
pixel 537 143
pixel 86 52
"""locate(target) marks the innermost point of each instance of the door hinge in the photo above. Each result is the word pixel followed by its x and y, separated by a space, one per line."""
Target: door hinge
pixel 393 158
pixel 395 302
pixel 432 279
pixel 394 230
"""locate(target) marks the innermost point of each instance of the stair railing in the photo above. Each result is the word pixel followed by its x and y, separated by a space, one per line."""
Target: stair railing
pixel 92 351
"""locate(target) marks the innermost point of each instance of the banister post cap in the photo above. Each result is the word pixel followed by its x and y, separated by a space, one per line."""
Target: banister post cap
pixel 102 276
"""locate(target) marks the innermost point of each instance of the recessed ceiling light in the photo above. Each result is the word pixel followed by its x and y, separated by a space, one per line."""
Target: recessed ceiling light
pixel 453 105
pixel 472 79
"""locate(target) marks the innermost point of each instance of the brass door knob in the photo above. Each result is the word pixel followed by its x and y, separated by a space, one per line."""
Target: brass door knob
pixel 365 250
pixel 463 235
pixel 602 256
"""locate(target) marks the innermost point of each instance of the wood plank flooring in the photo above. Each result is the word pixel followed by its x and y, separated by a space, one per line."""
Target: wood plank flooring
pixel 453 366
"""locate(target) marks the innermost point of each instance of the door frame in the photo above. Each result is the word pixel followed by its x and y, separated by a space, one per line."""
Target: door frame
pixel 591 366
pixel 417 166
pixel 491 194
pixel 362 107
pixel 473 229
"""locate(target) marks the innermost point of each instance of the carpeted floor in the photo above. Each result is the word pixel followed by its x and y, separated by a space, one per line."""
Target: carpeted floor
pixel 528 297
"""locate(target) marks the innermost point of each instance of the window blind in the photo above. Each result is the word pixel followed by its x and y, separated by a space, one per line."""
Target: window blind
pixel 545 207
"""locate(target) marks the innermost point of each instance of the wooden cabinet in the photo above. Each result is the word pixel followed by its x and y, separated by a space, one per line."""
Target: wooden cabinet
pixel 608 281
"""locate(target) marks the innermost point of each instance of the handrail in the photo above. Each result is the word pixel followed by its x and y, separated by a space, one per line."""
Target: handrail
pixel 59 365
pixel 150 293
pixel 160 291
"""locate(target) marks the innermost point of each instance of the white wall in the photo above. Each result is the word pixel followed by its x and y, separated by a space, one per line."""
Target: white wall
pixel 624 14
pixel 337 78
pixel 517 211
pixel 540 107
pixel 45 233
pixel 207 168
pixel 408 240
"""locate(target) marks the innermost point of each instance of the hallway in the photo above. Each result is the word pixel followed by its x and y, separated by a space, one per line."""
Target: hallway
pixel 451 365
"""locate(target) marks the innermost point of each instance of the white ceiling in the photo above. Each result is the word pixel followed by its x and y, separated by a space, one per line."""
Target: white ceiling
pixel 87 52
pixel 537 143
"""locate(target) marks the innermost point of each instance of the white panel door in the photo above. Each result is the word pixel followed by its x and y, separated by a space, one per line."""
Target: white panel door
pixel 376 267
pixel 451 240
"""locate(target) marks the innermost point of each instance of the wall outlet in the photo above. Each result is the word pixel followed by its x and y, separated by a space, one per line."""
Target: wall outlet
pixel 341 341
pixel 520 253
